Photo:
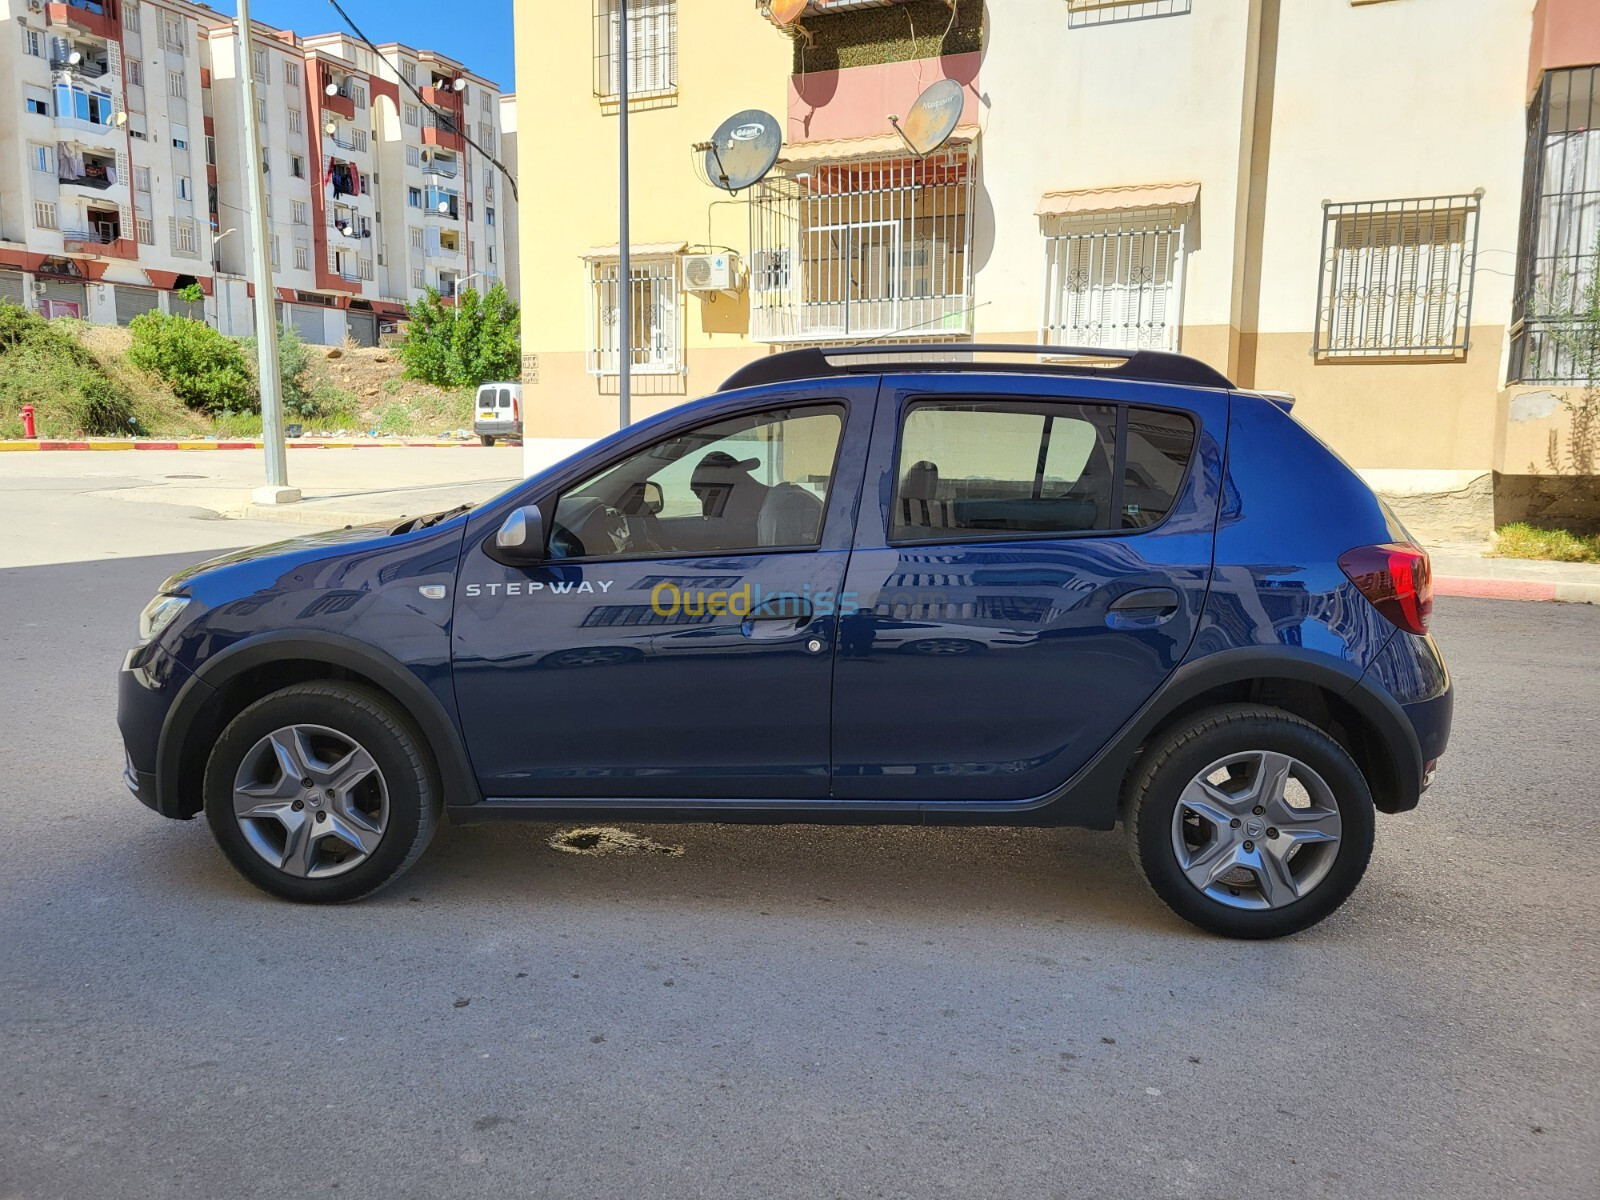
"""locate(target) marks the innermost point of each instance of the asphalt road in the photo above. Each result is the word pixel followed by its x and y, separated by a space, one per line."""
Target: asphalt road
pixel 778 1012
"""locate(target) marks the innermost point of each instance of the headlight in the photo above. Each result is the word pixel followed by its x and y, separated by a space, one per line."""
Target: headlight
pixel 158 614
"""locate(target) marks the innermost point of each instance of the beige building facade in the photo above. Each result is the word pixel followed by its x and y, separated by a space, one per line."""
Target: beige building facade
pixel 1384 207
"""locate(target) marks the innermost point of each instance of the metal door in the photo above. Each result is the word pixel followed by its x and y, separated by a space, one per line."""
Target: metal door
pixel 134 301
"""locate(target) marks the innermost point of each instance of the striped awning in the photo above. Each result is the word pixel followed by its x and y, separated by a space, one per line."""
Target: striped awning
pixel 1118 199
pixel 877 145
pixel 636 250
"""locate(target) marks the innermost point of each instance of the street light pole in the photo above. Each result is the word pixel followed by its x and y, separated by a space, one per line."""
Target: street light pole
pixel 277 489
pixel 625 258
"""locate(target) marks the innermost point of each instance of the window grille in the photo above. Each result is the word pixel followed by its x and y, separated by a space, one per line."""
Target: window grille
pixel 417 278
pixel 141 179
pixel 176 87
pixel 294 120
pixel 291 74
pixel 656 317
pixel 863 248
pixel 1397 278
pixel 44 214
pixel 1558 253
pixel 185 238
pixel 365 270
pixel 652 46
pixel 1114 279
pixel 135 72
pixel 1107 12
pixel 302 258
pixel 297 212
pixel 260 64
pixel 130 17
pixel 145 230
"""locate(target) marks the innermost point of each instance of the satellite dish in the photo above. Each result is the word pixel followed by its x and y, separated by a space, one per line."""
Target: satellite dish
pixel 332 89
pixel 120 118
pixel 331 127
pixel 932 118
pixel 75 58
pixel 784 13
pixel 742 150
pixel 460 85
pixel 444 206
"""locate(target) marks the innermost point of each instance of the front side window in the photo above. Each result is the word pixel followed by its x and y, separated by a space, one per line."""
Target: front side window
pixel 744 485
pixel 990 470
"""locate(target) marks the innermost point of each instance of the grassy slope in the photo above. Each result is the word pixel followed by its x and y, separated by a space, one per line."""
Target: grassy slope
pixel 357 391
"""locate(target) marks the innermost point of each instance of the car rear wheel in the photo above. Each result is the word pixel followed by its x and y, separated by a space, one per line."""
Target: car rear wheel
pixel 486 438
pixel 321 792
pixel 1250 822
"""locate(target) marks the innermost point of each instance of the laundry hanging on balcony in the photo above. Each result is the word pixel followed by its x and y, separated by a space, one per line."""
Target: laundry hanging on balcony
pixel 69 162
pixel 343 178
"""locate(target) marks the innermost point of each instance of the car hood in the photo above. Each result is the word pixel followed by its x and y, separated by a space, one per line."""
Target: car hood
pixel 305 542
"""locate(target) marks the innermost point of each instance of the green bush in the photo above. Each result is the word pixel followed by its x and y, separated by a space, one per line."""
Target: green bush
pixel 294 371
pixel 465 344
pixel 203 368
pixel 47 368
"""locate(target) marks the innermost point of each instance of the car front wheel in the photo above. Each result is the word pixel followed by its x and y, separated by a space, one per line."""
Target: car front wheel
pixel 1250 822
pixel 321 792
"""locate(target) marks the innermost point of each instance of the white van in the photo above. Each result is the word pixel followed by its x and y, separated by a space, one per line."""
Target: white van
pixel 499 412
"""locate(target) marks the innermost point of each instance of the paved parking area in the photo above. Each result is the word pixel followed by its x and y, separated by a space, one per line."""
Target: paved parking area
pixel 778 1012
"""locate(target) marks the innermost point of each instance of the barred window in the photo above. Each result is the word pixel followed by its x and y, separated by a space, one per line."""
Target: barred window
pixel 1114 279
pixel 652 46
pixel 417 278
pixel 44 214
pixel 302 258
pixel 294 120
pixel 291 74
pixel 859 248
pixel 1396 278
pixel 297 212
pixel 145 230
pixel 1558 256
pixel 1105 12
pixel 185 237
pixel 656 316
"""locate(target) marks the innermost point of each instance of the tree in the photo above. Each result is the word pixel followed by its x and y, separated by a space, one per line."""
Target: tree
pixel 462 345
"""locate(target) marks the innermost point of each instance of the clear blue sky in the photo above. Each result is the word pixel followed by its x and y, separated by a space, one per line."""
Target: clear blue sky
pixel 476 33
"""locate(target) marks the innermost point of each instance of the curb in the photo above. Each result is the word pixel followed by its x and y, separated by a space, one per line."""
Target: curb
pixel 210 445
pixel 1516 589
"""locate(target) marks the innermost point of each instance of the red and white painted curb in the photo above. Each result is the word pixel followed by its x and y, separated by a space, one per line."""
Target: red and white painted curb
pixel 324 444
pixel 1516 589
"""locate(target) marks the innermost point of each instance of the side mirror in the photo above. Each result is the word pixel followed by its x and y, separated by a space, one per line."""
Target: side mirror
pixel 521 537
pixel 654 499
pixel 642 499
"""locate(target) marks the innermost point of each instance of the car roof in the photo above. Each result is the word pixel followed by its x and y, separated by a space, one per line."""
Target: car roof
pixel 823 362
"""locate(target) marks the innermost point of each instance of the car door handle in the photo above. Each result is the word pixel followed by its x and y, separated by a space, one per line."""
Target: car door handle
pixel 1146 602
pixel 782 608
pixel 780 617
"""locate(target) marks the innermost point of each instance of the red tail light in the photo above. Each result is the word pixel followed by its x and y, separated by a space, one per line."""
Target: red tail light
pixel 1396 578
pixel 516 409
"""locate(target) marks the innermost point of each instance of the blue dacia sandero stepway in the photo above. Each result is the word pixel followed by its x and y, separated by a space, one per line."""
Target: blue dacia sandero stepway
pixel 953 584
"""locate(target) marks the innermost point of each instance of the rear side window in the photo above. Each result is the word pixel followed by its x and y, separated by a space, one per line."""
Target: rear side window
pixel 973 470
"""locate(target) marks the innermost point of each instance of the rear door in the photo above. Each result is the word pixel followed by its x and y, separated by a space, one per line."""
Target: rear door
pixel 1032 556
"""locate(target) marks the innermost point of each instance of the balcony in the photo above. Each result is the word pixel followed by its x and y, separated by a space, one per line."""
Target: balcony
pixel 446 167
pixel 339 100
pixel 88 183
pixel 443 135
pixel 84 68
pixel 91 134
pixel 84 241
pixel 99 17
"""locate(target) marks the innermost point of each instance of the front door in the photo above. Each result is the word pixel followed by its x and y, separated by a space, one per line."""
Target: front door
pixel 1029 569
pixel 678 640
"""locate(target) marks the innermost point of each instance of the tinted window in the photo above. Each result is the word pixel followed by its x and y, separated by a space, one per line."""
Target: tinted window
pixel 750 483
pixel 973 470
pixel 1159 447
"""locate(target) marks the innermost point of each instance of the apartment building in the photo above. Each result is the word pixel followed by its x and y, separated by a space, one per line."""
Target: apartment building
pixel 123 172
pixel 509 226
pixel 374 195
pixel 103 157
pixel 1385 207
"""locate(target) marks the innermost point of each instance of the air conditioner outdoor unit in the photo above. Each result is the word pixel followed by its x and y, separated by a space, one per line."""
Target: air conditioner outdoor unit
pixel 35 5
pixel 705 274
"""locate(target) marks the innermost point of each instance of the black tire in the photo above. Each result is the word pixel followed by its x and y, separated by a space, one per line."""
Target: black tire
pixel 368 718
pixel 486 438
pixel 1181 753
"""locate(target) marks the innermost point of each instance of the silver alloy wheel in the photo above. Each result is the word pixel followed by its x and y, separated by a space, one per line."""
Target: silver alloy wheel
pixel 1256 830
pixel 311 801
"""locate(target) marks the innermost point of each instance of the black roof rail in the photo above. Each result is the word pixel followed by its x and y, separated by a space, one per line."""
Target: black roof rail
pixel 813 362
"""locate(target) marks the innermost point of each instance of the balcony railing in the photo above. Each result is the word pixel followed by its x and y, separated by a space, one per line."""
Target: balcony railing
pixel 97 183
pixel 84 68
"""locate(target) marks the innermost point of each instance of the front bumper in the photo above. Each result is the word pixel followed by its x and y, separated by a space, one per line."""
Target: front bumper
pixel 147 685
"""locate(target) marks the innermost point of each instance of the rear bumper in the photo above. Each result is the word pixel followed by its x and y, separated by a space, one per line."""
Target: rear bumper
pixel 498 428
pixel 1411 672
